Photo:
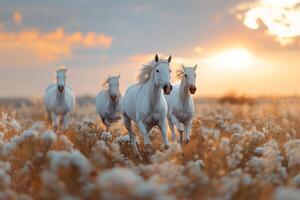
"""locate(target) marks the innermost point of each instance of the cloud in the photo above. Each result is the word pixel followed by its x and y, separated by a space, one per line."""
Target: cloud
pixel 280 18
pixel 141 58
pixel 199 49
pixel 17 17
pixel 34 45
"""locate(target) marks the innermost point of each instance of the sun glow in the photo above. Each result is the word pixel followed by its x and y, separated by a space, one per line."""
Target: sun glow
pixel 232 59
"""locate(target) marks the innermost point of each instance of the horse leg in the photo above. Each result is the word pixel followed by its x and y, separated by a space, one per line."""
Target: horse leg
pixel 163 127
pixel 65 121
pixel 49 120
pixel 147 142
pixel 178 124
pixel 107 124
pixel 127 123
pixel 54 121
pixel 180 136
pixel 188 128
pixel 171 125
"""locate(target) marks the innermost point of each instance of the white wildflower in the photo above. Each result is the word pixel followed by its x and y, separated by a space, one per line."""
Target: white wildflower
pixel 118 183
pixel 259 151
pixel 122 139
pixel 296 180
pixel 116 153
pixel 292 149
pixel 67 144
pixel 285 193
pixel 167 155
pixel 5 166
pixel 237 128
pixel 49 137
pixel 1 136
pixel 106 136
pixel 65 159
pixel 235 157
pixel 225 145
pixel 4 179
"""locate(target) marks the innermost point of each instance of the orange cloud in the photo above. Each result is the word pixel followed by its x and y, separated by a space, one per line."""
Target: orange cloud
pixel 17 17
pixel 280 17
pixel 141 58
pixel 199 49
pixel 49 46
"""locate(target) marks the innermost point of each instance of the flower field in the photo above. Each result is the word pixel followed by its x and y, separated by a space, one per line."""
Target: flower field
pixel 235 152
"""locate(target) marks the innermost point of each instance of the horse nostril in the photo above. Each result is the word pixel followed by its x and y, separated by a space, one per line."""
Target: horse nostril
pixel 193 90
pixel 60 88
pixel 113 97
pixel 167 88
pixel 171 87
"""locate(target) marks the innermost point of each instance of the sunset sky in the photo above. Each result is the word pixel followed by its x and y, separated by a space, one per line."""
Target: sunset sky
pixel 251 47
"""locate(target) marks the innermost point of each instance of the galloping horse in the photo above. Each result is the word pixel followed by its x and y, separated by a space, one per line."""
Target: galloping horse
pixel 108 101
pixel 145 104
pixel 180 103
pixel 59 100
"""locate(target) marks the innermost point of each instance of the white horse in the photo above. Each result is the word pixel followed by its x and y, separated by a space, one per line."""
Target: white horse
pixel 145 104
pixel 108 101
pixel 59 100
pixel 180 103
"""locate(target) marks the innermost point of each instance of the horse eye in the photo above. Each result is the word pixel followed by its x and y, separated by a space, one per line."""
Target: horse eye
pixel 170 71
pixel 157 71
pixel 185 75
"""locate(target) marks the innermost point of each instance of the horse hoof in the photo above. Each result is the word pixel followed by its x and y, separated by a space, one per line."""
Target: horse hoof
pixel 166 147
pixel 187 141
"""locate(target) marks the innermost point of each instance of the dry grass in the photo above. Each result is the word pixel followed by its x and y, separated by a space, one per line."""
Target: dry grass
pixel 236 152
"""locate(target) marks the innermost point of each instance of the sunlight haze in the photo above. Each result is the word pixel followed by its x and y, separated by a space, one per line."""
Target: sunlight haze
pixel 251 47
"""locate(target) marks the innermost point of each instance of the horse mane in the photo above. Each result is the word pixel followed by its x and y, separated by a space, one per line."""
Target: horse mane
pixel 179 73
pixel 105 83
pixel 146 70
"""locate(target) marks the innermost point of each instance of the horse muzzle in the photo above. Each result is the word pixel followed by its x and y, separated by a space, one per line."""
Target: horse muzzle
pixel 167 89
pixel 60 88
pixel 114 98
pixel 193 90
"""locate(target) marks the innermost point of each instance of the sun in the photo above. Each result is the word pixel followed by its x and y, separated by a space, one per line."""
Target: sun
pixel 233 59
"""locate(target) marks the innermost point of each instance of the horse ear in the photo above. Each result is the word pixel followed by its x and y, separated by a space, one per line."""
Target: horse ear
pixel 119 76
pixel 169 59
pixel 156 58
pixel 195 67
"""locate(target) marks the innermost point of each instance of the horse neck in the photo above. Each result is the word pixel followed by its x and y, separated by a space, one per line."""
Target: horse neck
pixel 183 92
pixel 153 90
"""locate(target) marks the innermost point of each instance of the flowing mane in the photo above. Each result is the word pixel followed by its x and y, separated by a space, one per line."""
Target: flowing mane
pixel 105 83
pixel 147 69
pixel 179 73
